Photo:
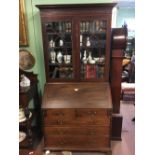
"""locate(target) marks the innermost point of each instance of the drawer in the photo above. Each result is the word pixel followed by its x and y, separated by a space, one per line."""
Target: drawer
pixel 78 131
pixel 77 142
pixel 92 116
pixel 58 113
pixel 77 117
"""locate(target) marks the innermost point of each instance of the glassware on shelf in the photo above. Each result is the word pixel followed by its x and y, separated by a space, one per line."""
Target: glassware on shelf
pixel 67 59
pixel 102 26
pixel 81 37
pixel 59 57
pixel 88 42
pixel 102 59
pixel 53 56
pixel 97 26
pixel 92 27
pixel 51 43
pixel 84 59
pixel 60 27
pixel 68 27
pixel 87 27
pixel 89 57
pixel 84 26
pixel 96 60
pixel 65 72
pixel 61 43
pixel 92 61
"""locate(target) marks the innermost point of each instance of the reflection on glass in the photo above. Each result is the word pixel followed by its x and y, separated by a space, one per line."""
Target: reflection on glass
pixel 92 49
pixel 60 49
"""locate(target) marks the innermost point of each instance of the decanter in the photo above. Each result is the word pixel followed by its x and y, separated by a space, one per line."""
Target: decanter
pixel 84 59
pixel 59 57
pixel 89 57
pixel 51 43
pixel 88 42
pixel 53 56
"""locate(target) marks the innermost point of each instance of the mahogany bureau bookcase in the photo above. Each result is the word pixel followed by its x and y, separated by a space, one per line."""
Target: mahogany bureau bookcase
pixel 77 103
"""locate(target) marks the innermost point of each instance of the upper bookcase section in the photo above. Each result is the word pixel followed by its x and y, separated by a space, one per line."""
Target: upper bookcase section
pixel 76 41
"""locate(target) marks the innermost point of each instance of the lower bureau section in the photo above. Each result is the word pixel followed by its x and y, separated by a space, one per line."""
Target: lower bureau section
pixel 77 142
pixel 77 120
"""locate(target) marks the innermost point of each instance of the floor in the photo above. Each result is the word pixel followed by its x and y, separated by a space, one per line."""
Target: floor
pixel 127 145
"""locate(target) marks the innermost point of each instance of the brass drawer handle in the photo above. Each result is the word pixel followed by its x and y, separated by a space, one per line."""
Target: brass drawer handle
pixel 92 113
pixel 62 142
pixel 59 122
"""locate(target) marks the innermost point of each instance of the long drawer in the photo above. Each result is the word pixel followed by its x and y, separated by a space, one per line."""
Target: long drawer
pixel 76 117
pixel 78 131
pixel 83 142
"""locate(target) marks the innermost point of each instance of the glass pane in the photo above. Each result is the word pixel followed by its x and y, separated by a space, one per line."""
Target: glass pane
pixel 60 49
pixel 92 49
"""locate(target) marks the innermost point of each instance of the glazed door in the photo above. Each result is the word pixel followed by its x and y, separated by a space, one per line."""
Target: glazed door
pixel 76 49
pixel 58 45
pixel 93 49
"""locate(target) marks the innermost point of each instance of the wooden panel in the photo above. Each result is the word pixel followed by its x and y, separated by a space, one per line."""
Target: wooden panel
pixel 77 95
pixel 78 131
pixel 116 73
pixel 119 37
pixel 69 142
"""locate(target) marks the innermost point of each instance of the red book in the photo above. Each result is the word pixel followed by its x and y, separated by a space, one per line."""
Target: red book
pixel 90 71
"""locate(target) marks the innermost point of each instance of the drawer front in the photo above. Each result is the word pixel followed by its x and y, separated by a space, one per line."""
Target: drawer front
pixel 58 116
pixel 71 131
pixel 92 116
pixel 76 117
pixel 83 142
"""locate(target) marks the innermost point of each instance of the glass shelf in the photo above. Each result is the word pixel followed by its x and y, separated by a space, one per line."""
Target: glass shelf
pixel 58 27
pixel 62 72
pixel 58 64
